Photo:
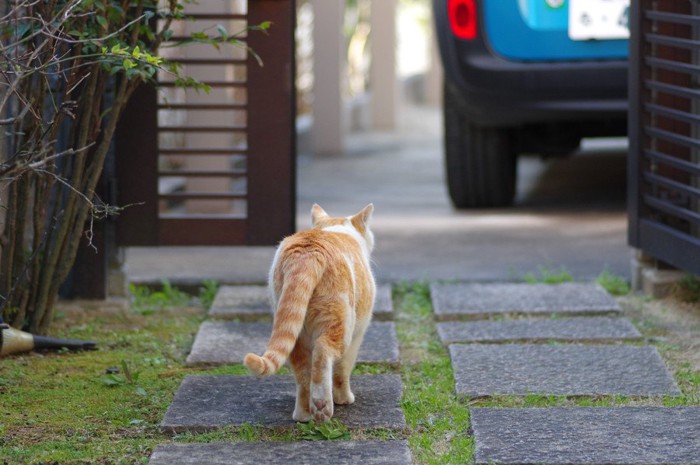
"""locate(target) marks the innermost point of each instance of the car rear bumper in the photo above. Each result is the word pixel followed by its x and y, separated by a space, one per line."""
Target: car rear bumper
pixel 498 91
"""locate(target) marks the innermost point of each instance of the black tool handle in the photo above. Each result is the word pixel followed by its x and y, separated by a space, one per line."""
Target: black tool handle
pixel 42 342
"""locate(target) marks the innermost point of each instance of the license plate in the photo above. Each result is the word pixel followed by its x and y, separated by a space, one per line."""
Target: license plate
pixel 599 19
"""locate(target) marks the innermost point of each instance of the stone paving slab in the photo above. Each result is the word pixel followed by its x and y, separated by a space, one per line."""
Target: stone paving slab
pixel 565 329
pixel 474 300
pixel 275 453
pixel 245 303
pixel 587 436
pixel 227 342
pixel 572 370
pixel 205 403
pixel 383 303
pixel 252 303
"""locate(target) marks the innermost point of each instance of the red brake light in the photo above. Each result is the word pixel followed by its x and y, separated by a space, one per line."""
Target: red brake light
pixel 462 16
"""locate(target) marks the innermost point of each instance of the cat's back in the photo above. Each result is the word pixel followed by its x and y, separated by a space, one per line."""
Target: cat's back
pixel 336 256
pixel 321 243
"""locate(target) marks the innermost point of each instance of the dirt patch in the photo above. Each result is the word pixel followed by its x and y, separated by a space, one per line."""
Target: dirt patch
pixel 673 325
pixel 110 315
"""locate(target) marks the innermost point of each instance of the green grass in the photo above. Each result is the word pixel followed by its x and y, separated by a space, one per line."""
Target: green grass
pixel 58 408
pixel 147 301
pixel 331 430
pixel 438 423
pixel 688 290
pixel 548 276
pixel 207 293
pixel 614 284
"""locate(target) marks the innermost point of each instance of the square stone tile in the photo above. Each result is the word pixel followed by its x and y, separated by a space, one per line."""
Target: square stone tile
pixel 475 300
pixel 252 303
pixel 571 370
pixel 565 329
pixel 227 342
pixel 293 453
pixel 245 303
pixel 205 403
pixel 383 303
pixel 587 436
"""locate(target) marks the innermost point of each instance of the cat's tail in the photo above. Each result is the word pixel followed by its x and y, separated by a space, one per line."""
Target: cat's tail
pixel 300 280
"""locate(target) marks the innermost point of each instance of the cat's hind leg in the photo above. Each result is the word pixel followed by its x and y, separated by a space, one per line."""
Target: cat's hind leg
pixel 300 361
pixel 326 351
pixel 342 394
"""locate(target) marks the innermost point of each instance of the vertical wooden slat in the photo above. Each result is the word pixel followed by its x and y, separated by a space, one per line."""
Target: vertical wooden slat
pixel 636 131
pixel 137 169
pixel 271 122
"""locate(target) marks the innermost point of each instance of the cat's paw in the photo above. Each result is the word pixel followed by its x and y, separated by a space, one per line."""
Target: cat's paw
pixel 343 396
pixel 301 415
pixel 321 409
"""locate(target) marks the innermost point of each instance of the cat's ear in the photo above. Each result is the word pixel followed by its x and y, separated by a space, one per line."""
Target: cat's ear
pixel 361 219
pixel 317 213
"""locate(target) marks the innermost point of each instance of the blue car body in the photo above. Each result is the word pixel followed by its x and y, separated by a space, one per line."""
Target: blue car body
pixel 523 68
pixel 530 30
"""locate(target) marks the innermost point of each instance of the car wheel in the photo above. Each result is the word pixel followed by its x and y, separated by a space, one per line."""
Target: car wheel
pixel 480 160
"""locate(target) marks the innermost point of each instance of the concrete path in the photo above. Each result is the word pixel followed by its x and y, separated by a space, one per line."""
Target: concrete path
pixel 205 403
pixel 569 213
pixel 471 300
pixel 227 343
pixel 485 364
pixel 577 436
pixel 482 370
pixel 296 453
pixel 252 303
pixel 582 329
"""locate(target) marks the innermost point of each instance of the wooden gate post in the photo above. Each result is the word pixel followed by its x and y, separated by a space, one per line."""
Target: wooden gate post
pixel 271 123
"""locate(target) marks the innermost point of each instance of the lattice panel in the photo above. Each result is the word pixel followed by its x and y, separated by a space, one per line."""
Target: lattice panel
pixel 665 158
pixel 202 138
pixel 214 168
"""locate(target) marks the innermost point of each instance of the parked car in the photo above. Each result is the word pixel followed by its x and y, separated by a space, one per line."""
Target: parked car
pixel 526 76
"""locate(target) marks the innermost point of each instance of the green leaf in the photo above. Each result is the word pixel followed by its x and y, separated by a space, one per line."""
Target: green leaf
pixel 327 431
pixel 115 12
pixel 25 29
pixel 222 31
pixel 102 21
pixel 112 380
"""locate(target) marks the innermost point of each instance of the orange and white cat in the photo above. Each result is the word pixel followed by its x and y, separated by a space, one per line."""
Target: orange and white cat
pixel 323 293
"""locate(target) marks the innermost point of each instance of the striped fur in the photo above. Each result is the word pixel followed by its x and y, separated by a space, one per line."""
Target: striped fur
pixel 323 293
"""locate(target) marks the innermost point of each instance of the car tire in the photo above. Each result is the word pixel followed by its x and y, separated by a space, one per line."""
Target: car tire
pixel 480 161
